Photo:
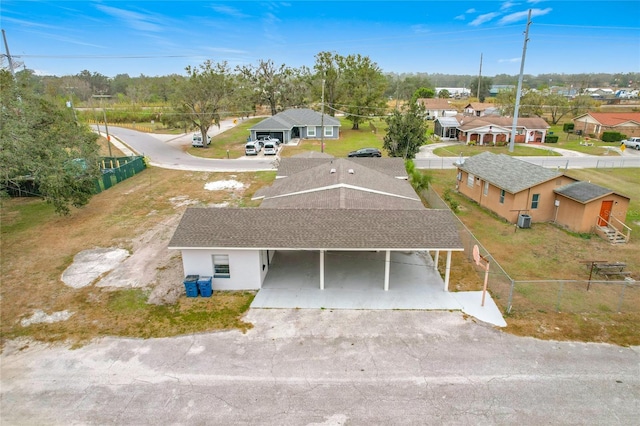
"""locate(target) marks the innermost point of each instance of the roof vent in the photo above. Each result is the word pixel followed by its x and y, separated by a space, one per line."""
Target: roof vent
pixel 332 171
pixel 351 171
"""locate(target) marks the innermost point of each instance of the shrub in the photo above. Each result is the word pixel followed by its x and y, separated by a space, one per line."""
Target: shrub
pixel 551 139
pixel 612 136
pixel 568 127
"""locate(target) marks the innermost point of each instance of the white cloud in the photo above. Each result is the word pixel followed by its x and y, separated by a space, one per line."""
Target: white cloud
pixel 481 19
pixel 230 11
pixel 508 60
pixel 471 10
pixel 135 20
pixel 419 29
pixel 507 5
pixel 521 16
pixel 460 17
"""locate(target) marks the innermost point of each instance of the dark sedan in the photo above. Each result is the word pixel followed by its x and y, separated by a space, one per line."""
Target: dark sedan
pixel 366 152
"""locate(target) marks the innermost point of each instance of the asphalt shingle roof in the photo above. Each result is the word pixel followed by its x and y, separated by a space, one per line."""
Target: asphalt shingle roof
pixel 473 122
pixel 583 191
pixel 317 229
pixel 506 172
pixel 286 120
pixel 389 166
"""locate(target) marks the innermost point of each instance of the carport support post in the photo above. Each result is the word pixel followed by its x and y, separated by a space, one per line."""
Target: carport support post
pixel 321 269
pixel 387 265
pixel 447 271
pixel 435 260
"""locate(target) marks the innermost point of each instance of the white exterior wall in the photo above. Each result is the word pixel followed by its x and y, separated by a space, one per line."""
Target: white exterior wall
pixel 245 267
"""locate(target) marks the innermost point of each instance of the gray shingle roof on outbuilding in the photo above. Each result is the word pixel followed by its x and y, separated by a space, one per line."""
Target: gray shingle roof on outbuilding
pixel 508 173
pixel 330 229
pixel 583 191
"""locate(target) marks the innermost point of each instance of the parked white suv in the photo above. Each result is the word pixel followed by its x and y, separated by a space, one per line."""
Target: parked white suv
pixel 252 148
pixel 632 143
pixel 196 140
pixel 270 148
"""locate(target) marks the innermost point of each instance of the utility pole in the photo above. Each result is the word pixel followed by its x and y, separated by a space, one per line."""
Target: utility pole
pixel 322 121
pixel 519 90
pixel 9 59
pixel 479 78
pixel 106 128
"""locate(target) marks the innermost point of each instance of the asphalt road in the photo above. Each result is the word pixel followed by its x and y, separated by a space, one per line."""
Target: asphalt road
pixel 322 367
pixel 167 153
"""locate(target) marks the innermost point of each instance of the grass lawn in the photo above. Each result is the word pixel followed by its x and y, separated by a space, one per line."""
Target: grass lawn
pixel 232 140
pixel 38 245
pixel 350 140
pixel 546 252
pixel 519 150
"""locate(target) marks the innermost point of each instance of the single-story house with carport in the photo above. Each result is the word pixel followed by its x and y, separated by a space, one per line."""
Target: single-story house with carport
pixel 510 187
pixel 329 205
pixel 295 123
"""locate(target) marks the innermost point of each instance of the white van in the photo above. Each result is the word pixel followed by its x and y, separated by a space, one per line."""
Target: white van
pixel 252 148
pixel 196 140
pixel 270 148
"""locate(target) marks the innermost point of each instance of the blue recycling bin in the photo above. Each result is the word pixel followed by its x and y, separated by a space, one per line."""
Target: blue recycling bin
pixel 191 285
pixel 204 286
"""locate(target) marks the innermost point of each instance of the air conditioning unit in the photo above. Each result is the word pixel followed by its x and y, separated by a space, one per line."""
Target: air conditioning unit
pixel 524 221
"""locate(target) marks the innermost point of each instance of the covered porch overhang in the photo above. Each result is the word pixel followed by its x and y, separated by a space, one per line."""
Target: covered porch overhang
pixel 374 258
pixel 354 280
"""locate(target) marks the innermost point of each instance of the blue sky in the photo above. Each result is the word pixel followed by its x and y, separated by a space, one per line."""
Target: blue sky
pixel 163 37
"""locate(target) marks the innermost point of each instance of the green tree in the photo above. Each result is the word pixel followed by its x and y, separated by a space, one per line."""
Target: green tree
pixel 270 82
pixel 423 92
pixel 485 84
pixel 558 107
pixel 444 94
pixel 41 144
pixel 327 74
pixel 362 86
pixel 204 96
pixel 406 132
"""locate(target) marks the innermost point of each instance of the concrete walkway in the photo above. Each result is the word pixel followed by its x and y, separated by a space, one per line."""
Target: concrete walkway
pixel 355 280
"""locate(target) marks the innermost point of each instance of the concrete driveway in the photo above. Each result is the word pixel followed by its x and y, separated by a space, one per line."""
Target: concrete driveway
pixel 324 367
pixel 355 280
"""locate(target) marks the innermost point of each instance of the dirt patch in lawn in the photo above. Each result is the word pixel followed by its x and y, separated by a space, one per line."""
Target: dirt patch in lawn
pixel 137 295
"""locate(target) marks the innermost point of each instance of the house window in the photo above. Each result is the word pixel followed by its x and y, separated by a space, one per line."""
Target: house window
pixel 535 200
pixel 502 192
pixel 328 131
pixel 470 179
pixel 485 190
pixel 221 266
pixel 311 132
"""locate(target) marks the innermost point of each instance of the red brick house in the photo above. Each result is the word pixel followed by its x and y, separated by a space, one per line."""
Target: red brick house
pixel 595 123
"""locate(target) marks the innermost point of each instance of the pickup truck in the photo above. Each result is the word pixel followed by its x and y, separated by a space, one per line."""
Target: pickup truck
pixel 632 143
pixel 262 140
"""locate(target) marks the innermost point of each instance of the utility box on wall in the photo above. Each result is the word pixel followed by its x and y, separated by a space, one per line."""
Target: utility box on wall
pixel 524 221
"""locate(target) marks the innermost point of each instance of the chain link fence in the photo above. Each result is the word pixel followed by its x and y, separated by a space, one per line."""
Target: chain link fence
pixel 544 295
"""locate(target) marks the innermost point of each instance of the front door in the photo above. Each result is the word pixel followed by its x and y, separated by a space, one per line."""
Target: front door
pixel 605 212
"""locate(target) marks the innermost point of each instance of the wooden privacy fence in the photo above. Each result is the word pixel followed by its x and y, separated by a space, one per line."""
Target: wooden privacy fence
pixel 117 169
